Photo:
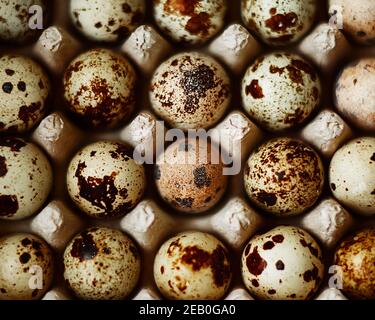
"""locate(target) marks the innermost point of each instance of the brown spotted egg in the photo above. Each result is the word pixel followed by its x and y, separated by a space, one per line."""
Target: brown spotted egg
pixel 106 20
pixel 190 91
pixel 280 91
pixel 279 22
pixel 352 175
pixel 104 180
pixel 284 177
pixel 356 258
pixel 99 88
pixel 282 264
pixel 15 16
pixel 26 267
pixel 190 21
pixel 101 264
pixel 188 176
pixel 192 266
pixel 24 89
pixel 25 179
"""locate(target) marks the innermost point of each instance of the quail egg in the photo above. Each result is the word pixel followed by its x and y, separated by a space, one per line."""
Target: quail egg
pixel 101 264
pixel 16 16
pixel 279 22
pixel 192 266
pixel 284 177
pixel 190 21
pixel 24 90
pixel 280 91
pixel 188 176
pixel 190 91
pixel 357 18
pixel 355 93
pixel 356 258
pixel 99 88
pixel 104 180
pixel 352 175
pixel 282 264
pixel 26 267
pixel 25 179
pixel 106 20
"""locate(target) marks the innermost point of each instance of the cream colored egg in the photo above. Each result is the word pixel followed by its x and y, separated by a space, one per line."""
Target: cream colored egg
pixel 284 177
pixel 106 20
pixel 104 180
pixel 192 266
pixel 280 91
pixel 25 179
pixel 99 88
pixel 24 89
pixel 352 175
pixel 102 264
pixel 282 264
pixel 190 91
pixel 279 22
pixel 192 22
pixel 26 267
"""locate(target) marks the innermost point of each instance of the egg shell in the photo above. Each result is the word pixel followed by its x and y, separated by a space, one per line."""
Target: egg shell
pixel 26 267
pixel 101 264
pixel 280 91
pixel 355 93
pixel 190 91
pixel 192 266
pixel 280 22
pixel 104 180
pixel 99 88
pixel 189 178
pixel 356 17
pixel 331 294
pixel 282 264
pixel 239 294
pixel 24 91
pixel 25 179
pixel 356 258
pixel 15 18
pixel 192 22
pixel 352 175
pixel 106 20
pixel 147 294
pixel 284 177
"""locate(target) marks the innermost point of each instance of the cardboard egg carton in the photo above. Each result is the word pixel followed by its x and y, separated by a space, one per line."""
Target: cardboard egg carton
pixel 235 219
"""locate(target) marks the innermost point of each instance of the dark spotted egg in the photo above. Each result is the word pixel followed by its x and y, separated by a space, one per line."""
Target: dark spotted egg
pixel 104 180
pixel 282 264
pixel 101 264
pixel 280 91
pixel 192 266
pixel 26 267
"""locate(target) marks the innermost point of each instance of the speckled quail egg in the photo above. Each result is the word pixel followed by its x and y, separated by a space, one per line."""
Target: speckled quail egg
pixel 279 22
pixel 190 91
pixel 190 21
pixel 99 88
pixel 355 93
pixel 356 258
pixel 357 18
pixel 104 180
pixel 280 91
pixel 284 177
pixel 282 264
pixel 192 266
pixel 352 175
pixel 106 20
pixel 26 267
pixel 25 179
pixel 24 90
pixel 15 19
pixel 189 177
pixel 101 264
